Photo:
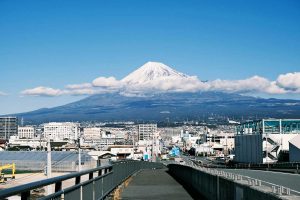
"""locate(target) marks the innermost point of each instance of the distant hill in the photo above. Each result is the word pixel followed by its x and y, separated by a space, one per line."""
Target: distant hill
pixel 175 106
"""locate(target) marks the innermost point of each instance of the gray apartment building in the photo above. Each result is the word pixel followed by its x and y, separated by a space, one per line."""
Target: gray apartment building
pixel 8 127
pixel 146 131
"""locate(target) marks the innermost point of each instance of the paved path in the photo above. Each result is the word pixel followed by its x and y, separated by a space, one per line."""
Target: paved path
pixel 154 184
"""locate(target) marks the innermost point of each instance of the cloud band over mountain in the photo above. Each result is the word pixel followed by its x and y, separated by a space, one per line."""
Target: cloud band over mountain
pixel 157 77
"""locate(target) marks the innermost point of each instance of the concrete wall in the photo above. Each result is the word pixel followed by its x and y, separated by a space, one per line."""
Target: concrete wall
pixel 214 187
pixel 248 148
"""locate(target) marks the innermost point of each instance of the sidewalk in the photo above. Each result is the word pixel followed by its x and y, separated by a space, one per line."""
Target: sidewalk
pixel 154 184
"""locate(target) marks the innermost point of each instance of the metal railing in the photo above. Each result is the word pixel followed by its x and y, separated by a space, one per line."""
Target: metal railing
pixel 99 182
pixel 212 185
pixel 247 180
pixel 289 167
pixel 259 184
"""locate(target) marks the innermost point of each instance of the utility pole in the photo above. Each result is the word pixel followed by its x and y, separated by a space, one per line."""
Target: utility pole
pixel 226 145
pixel 79 155
pixel 152 152
pixel 133 144
pixel 40 142
pixel 154 147
pixel 49 165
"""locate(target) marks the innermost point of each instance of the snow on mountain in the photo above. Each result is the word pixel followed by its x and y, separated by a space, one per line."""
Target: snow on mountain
pixel 158 77
pixel 155 76
pixel 152 71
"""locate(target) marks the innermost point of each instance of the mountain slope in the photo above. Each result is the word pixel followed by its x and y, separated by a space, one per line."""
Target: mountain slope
pixel 174 106
pixel 152 93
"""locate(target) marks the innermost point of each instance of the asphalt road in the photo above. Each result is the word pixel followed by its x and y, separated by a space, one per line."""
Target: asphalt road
pixel 291 181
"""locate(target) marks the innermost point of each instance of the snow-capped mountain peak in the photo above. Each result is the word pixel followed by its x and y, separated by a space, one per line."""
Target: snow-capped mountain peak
pixel 151 71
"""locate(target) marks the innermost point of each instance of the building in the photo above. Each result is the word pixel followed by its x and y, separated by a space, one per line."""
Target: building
pixel 15 141
pixel 100 138
pixel 220 138
pixel 107 139
pixel 122 151
pixel 26 132
pixel 92 133
pixel 146 131
pixel 265 141
pixel 8 127
pixel 64 131
pixel 294 149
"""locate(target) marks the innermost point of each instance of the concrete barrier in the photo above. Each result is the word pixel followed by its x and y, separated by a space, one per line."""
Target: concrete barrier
pixel 214 187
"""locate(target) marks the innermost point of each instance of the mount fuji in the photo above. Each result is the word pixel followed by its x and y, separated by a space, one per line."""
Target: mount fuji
pixel 155 77
pixel 152 71
pixel 156 92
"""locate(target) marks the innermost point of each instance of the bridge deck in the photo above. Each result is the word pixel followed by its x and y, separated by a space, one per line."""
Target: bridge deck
pixel 154 184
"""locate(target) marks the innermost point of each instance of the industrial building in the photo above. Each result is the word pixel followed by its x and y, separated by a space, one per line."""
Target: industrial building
pixel 8 127
pixel 294 149
pixel 62 161
pixel 265 141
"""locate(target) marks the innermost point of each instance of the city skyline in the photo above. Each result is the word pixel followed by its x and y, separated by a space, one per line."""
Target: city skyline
pixel 56 44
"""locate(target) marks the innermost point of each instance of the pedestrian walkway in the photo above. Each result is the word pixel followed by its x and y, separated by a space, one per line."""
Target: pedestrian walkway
pixel 154 184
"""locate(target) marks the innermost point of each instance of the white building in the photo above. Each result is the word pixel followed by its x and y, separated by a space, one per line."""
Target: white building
pixel 108 139
pixel 204 149
pixel 122 151
pixel 64 131
pixel 226 139
pixel 146 131
pixel 26 132
pixel 176 139
pixel 100 138
pixel 32 142
pixel 92 133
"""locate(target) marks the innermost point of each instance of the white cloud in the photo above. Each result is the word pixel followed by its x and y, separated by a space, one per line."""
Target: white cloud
pixel 193 84
pixel 289 81
pixel 43 91
pixel 106 82
pixel 81 91
pixel 252 84
pixel 3 93
pixel 285 84
pixel 79 86
pixel 50 92
pixel 183 84
pixel 275 89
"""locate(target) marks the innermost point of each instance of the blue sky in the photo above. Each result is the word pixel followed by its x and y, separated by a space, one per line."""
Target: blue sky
pixel 56 43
